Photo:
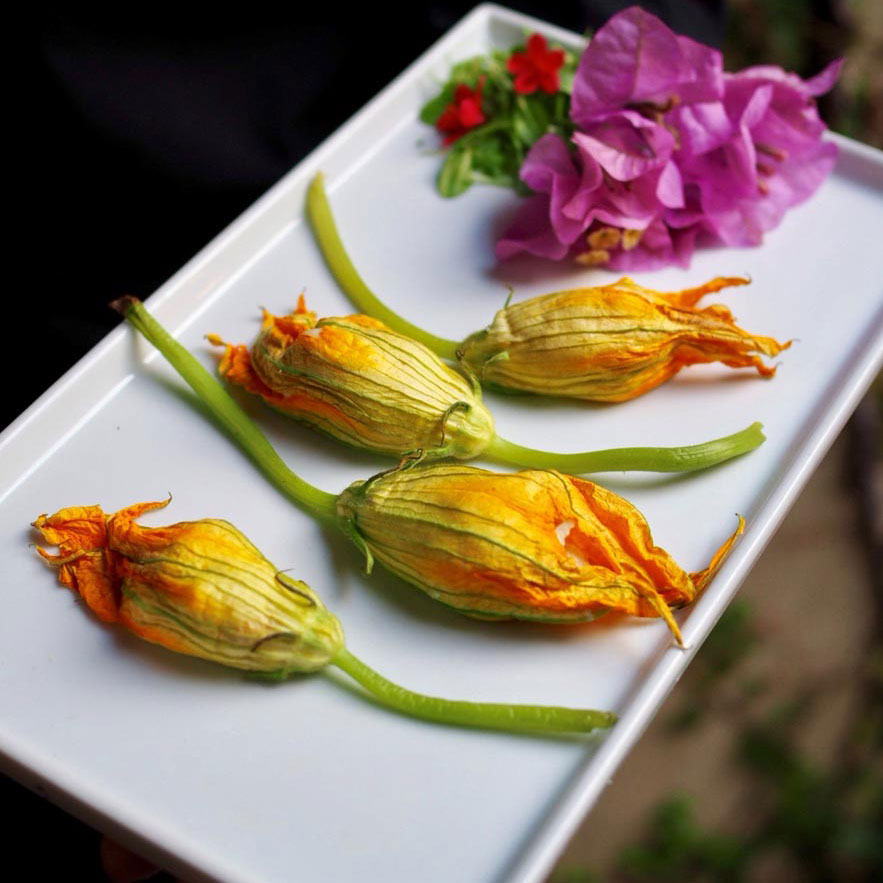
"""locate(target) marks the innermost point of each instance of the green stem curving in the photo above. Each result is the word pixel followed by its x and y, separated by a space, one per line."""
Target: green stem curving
pixel 325 231
pixel 680 459
pixel 234 420
pixel 487 715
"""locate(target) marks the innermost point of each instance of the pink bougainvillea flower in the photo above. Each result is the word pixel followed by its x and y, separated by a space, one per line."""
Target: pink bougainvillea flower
pixel 576 195
pixel 669 152
pixel 627 145
pixel 537 67
pixel 549 169
pixel 636 61
pixel 462 114
pixel 773 159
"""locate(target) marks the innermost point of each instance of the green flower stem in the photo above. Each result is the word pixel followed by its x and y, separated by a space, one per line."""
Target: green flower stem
pixel 325 231
pixel 317 503
pixel 488 715
pixel 683 459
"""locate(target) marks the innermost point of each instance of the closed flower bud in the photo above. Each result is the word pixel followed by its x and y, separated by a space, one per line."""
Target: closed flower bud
pixel 529 545
pixel 612 343
pixel 362 383
pixel 197 587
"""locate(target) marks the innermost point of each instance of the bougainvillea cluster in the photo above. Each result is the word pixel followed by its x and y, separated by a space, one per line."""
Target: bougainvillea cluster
pixel 664 149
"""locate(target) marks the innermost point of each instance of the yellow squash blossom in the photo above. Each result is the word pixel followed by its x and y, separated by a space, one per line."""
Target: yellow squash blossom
pixel 358 381
pixel 197 587
pixel 605 344
pixel 201 588
pixel 528 545
pixel 612 343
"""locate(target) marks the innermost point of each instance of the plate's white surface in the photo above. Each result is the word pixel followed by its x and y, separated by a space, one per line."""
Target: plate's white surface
pixel 232 780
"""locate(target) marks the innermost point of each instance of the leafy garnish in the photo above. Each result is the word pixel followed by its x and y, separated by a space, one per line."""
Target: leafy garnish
pixel 494 107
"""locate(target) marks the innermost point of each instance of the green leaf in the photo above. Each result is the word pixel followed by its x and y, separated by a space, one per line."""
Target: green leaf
pixel 455 176
pixel 501 180
pixel 489 157
pixel 497 75
pixel 568 72
pixel 531 120
pixel 468 71
pixel 433 109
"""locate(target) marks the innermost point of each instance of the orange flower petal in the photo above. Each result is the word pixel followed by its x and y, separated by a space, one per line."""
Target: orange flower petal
pixel 362 383
pixel 196 587
pixel 612 343
pixel 84 562
pixel 528 545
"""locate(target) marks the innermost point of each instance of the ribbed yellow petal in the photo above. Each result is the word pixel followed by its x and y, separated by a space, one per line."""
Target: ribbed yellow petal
pixel 197 587
pixel 528 545
pixel 360 382
pixel 612 343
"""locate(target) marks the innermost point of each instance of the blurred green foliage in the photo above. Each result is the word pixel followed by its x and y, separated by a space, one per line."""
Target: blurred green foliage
pixel 803 36
pixel 822 824
pixel 679 849
pixel 731 641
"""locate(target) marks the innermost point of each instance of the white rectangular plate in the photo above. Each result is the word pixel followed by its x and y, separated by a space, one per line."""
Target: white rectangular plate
pixel 222 778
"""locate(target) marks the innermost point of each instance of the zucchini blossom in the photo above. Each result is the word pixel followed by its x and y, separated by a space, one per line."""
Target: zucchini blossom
pixel 361 383
pixel 610 344
pixel 203 589
pixel 196 587
pixel 535 545
pixel 605 344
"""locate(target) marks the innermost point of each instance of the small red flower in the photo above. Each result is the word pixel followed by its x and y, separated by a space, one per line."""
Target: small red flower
pixel 462 114
pixel 537 67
